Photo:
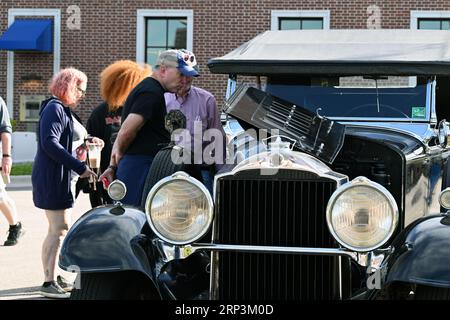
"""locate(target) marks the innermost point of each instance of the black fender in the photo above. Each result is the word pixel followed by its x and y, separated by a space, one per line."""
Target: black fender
pixel 422 253
pixel 109 239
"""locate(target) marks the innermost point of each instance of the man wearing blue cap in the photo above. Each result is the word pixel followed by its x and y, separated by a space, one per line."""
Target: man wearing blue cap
pixel 200 108
pixel 142 132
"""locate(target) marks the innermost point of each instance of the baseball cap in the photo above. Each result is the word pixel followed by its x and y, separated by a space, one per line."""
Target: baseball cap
pixel 183 60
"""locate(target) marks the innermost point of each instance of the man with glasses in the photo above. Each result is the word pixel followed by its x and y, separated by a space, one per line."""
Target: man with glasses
pixel 200 109
pixel 142 132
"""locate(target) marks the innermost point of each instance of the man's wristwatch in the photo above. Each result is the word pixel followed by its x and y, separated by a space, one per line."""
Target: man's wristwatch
pixel 5 155
pixel 114 168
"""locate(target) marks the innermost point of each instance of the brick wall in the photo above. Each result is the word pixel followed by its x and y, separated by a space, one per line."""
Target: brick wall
pixel 108 33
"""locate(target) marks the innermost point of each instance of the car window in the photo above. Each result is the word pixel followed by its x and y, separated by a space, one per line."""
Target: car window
pixel 399 103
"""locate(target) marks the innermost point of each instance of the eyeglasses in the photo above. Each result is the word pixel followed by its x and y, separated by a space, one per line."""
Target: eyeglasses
pixel 83 92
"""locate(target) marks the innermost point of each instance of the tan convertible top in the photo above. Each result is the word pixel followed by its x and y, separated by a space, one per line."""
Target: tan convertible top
pixel 340 52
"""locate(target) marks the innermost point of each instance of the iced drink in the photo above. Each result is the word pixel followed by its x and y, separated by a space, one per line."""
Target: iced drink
pixel 94 156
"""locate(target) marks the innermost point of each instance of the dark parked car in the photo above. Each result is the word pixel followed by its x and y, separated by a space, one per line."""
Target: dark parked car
pixel 348 198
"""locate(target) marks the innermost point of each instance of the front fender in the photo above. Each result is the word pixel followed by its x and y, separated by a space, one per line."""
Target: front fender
pixel 422 253
pixel 107 239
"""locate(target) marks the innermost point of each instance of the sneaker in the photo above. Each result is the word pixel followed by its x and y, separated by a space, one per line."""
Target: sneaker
pixel 53 290
pixel 66 285
pixel 15 232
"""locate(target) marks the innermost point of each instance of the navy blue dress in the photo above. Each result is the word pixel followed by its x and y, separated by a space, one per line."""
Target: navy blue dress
pixel 54 161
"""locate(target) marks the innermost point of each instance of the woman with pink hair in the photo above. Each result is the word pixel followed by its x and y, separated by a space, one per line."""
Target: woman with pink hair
pixel 56 167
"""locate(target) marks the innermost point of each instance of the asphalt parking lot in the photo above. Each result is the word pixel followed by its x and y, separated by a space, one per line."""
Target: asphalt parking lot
pixel 20 266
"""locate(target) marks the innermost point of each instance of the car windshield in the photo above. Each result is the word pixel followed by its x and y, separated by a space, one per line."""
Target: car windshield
pixel 358 103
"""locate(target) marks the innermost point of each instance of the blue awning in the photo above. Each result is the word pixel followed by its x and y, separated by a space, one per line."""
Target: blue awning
pixel 28 35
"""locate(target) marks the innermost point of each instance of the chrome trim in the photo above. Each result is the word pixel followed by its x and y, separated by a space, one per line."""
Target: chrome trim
pixel 249 165
pixel 358 181
pixel 440 198
pixel 183 176
pixel 214 277
pixel 433 118
pixel 326 173
pixel 120 183
pixel 341 294
pixel 273 249
pixel 428 100
pixel 107 269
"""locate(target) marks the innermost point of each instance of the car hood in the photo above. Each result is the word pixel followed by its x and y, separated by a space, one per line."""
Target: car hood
pixel 407 138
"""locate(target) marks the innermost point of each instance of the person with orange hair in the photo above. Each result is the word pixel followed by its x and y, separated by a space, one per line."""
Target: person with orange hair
pixel 116 82
pixel 57 166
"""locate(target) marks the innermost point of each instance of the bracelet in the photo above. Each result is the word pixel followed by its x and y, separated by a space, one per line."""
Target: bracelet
pixel 113 167
pixel 5 155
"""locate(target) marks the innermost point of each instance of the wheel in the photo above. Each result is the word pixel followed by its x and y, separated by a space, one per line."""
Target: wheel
pixel 431 293
pixel 163 166
pixel 113 286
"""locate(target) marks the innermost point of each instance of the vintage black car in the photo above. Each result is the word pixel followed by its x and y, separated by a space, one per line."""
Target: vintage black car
pixel 349 200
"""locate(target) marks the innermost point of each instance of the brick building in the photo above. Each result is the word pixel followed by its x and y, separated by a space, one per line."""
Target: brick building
pixel 89 35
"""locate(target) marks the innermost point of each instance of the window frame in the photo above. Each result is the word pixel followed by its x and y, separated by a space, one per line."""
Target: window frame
pixel 299 14
pixel 420 14
pixel 415 15
pixel 142 15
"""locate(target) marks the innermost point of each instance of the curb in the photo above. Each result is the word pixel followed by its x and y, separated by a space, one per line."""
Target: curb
pixel 19 183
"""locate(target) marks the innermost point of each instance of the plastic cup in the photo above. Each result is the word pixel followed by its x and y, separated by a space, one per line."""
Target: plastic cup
pixel 94 152
pixel 6 178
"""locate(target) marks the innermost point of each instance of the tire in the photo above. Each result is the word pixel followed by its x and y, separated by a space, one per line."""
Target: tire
pixel 113 286
pixel 431 293
pixel 163 166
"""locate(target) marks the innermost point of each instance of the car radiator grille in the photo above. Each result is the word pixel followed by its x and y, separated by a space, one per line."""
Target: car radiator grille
pixel 284 210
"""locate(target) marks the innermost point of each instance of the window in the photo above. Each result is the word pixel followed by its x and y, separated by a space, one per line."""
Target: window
pixel 300 20
pixel 159 30
pixel 430 20
pixel 433 24
pixel 163 34
pixel 300 23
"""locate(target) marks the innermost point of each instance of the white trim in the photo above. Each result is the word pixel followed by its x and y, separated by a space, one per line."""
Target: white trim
pixel 415 15
pixel 12 13
pixel 140 31
pixel 418 14
pixel 276 14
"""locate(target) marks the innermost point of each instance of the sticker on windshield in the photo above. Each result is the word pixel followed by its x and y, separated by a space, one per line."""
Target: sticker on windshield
pixel 418 113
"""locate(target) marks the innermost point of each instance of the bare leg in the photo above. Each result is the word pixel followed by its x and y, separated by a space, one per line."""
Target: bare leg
pixel 8 207
pixel 58 221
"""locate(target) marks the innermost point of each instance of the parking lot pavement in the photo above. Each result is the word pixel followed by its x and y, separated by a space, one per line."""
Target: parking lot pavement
pixel 20 266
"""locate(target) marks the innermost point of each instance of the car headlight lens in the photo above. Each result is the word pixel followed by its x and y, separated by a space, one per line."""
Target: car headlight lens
pixel 117 190
pixel 444 198
pixel 362 215
pixel 179 209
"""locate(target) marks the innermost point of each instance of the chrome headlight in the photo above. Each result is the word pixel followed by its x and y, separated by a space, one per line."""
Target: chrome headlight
pixel 117 190
pixel 444 198
pixel 362 215
pixel 179 209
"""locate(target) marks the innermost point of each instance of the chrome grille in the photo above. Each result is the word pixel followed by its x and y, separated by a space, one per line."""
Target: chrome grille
pixel 283 210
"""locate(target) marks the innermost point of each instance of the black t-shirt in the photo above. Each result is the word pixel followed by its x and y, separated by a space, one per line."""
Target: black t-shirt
pixel 147 100
pixel 104 124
